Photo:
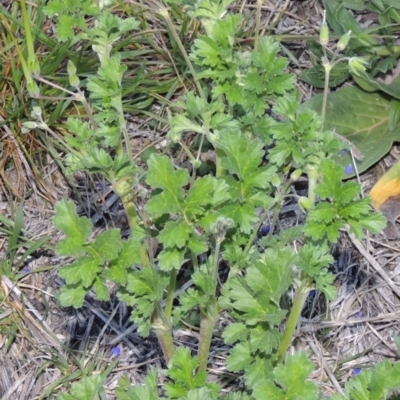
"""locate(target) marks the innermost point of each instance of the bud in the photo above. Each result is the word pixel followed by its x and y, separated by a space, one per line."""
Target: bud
pixel 305 204
pixel 103 3
pixel 73 79
pixel 221 225
pixel 326 64
pixel 174 135
pixel 324 33
pixel 71 69
pixel 33 89
pixel 275 181
pixel 37 111
pixel 43 125
pixel 29 125
pixel 164 12
pixel 196 163
pixel 357 65
pixel 34 66
pixel 296 174
pixel 344 41
pixel 214 136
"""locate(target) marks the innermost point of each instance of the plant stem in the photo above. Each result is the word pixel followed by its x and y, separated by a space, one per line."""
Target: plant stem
pixel 124 190
pixel 312 183
pixel 208 321
pixel 209 315
pixel 187 151
pixel 297 307
pixel 122 125
pixel 325 95
pixel 130 212
pixel 195 262
pixel 214 271
pixel 220 171
pixel 170 294
pixel 162 328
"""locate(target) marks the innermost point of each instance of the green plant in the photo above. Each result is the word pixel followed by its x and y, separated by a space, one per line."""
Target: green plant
pixel 367 118
pixel 88 387
pixel 246 111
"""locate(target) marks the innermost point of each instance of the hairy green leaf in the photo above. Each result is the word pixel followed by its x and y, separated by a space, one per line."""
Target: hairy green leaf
pixel 77 229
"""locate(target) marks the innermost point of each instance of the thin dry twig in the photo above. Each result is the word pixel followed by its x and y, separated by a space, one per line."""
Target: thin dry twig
pixel 374 263
pixel 315 347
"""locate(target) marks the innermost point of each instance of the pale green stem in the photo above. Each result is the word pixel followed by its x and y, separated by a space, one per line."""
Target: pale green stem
pixel 195 262
pixel 170 294
pixel 291 323
pixel 209 315
pixel 325 94
pixel 220 171
pixel 256 229
pixel 208 321
pixel 162 328
pixel 127 197
pixel 187 151
pixel 312 183
pixel 122 125
pixel 214 271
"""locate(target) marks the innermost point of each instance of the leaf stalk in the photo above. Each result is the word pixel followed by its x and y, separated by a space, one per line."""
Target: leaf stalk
pixel 294 316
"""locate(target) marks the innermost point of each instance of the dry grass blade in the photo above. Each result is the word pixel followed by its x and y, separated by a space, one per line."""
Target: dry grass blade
pixel 374 264
pixel 40 330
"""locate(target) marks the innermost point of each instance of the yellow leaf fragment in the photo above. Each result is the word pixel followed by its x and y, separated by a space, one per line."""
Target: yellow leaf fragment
pixel 388 186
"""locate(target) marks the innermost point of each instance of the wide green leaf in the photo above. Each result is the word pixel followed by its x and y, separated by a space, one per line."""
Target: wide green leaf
pixel 163 175
pixel 77 229
pixel 240 357
pixel 72 295
pixel 234 332
pixel 271 274
pixel 84 270
pixel 290 381
pixel 242 156
pixel 199 195
pixel 87 388
pixel 171 258
pixel 129 255
pixel 107 245
pixel 361 118
pixel 175 233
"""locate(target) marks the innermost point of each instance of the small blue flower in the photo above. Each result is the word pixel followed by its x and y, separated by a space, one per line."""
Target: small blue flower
pixel 312 293
pixel 360 315
pixel 99 185
pixel 264 230
pixel 356 371
pixel 349 169
pixel 26 270
pixel 115 352
pixel 342 153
